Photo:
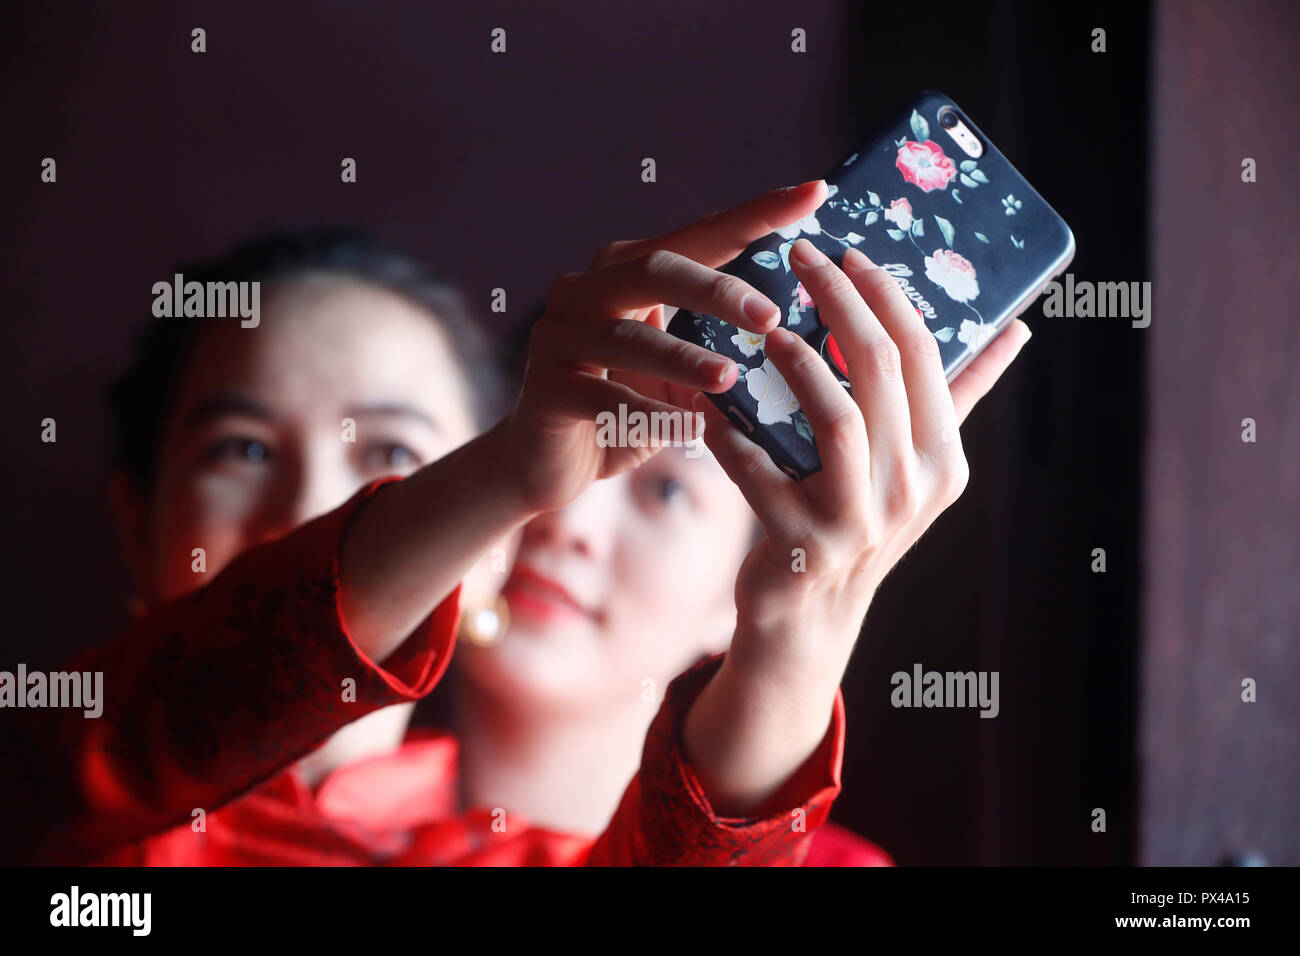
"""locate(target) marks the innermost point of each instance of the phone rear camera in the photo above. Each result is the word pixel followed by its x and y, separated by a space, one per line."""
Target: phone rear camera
pixel 948 118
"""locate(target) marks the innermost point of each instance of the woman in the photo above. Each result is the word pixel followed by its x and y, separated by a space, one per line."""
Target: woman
pixel 742 755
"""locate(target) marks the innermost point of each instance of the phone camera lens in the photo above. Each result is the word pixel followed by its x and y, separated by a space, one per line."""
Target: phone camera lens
pixel 948 118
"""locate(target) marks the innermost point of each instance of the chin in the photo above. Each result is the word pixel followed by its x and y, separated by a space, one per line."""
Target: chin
pixel 535 668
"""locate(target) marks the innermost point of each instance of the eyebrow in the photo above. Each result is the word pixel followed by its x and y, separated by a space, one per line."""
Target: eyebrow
pixel 400 409
pixel 226 403
pixel 234 403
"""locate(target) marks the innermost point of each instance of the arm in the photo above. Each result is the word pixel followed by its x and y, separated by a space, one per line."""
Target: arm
pixel 206 697
pixel 740 756
pixel 666 818
pixel 892 462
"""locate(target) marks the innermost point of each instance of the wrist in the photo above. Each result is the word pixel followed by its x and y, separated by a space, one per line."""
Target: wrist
pixel 496 467
pixel 787 661
pixel 746 743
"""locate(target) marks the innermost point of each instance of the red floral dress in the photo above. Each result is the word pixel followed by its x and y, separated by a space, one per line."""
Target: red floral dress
pixel 210 700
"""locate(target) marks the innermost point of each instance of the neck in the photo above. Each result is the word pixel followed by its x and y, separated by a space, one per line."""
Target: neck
pixel 379 732
pixel 564 771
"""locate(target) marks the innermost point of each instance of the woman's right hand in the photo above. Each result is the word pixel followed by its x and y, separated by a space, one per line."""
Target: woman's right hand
pixel 602 343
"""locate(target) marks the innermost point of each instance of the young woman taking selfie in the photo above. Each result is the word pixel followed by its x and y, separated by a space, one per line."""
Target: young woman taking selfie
pixel 667 690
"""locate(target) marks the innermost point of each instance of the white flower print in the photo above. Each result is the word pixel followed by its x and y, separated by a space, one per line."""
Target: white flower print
pixel 748 342
pixel 776 402
pixel 808 224
pixel 974 334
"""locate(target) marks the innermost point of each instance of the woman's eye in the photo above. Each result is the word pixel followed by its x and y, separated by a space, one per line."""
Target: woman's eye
pixel 392 455
pixel 670 489
pixel 237 450
pixel 667 491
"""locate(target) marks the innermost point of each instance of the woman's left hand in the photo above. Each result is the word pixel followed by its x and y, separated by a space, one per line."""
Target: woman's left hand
pixel 892 462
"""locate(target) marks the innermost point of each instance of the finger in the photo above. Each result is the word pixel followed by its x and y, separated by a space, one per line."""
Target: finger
pixel 631 346
pixel 586 397
pixel 873 360
pixel 836 420
pixel 662 276
pixel 774 497
pixel 986 368
pixel 929 402
pixel 721 236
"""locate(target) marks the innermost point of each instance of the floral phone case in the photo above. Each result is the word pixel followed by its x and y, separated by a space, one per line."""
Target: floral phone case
pixel 971 243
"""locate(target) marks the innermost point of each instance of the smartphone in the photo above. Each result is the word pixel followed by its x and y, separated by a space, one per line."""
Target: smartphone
pixel 931 200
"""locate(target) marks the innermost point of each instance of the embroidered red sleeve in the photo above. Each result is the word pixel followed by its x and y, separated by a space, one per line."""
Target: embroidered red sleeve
pixel 665 819
pixel 205 698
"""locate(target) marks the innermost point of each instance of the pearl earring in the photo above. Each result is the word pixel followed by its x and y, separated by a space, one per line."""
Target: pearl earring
pixel 485 626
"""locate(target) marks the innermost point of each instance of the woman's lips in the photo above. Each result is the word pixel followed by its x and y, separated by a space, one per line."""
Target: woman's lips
pixel 533 593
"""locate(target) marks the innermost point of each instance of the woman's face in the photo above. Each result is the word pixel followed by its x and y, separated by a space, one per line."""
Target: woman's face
pixel 254 445
pixel 255 442
pixel 632 581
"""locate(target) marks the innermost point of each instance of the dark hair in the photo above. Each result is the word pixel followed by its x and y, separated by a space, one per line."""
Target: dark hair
pixel 139 398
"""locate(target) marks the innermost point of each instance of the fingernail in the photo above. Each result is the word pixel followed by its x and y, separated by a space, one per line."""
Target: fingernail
pixel 759 310
pixel 717 368
pixel 857 259
pixel 811 186
pixel 806 254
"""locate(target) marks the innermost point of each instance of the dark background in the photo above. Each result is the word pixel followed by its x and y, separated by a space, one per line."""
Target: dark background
pixel 1118 690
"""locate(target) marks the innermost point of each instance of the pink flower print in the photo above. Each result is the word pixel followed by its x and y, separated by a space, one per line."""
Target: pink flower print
pixel 805 299
pixel 925 165
pixel 900 213
pixel 953 273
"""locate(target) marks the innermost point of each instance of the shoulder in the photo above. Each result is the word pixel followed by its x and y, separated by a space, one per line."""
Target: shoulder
pixel 833 845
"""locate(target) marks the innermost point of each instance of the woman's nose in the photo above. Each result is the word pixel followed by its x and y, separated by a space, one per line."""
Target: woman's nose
pixel 585 525
pixel 306 486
